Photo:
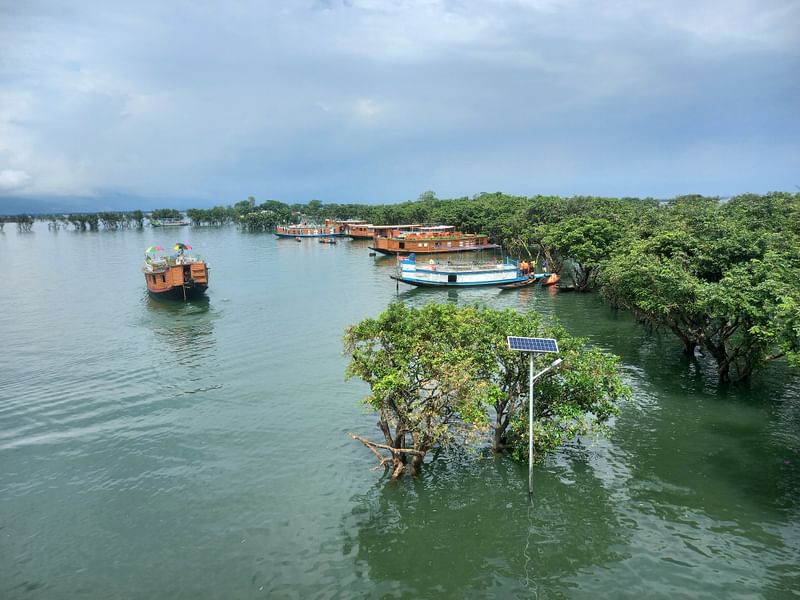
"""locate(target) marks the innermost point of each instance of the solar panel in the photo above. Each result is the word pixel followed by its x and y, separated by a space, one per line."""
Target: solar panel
pixel 526 344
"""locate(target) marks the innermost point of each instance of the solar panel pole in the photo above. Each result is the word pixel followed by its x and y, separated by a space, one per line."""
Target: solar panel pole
pixel 531 346
pixel 530 426
pixel 531 379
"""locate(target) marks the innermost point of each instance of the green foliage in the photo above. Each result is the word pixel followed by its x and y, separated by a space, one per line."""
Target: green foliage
pixel 24 223
pixel 214 217
pixel 165 213
pixel 587 242
pixel 423 385
pixel 439 375
pixel 722 277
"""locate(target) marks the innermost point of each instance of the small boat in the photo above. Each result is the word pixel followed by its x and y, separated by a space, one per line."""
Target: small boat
pixel 435 274
pixel 327 241
pixel 518 284
pixel 544 279
pixel 177 277
pixel 550 278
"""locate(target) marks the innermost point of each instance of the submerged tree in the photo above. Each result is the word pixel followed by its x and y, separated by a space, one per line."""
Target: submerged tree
pixel 24 223
pixel 423 386
pixel 443 375
pixel 719 279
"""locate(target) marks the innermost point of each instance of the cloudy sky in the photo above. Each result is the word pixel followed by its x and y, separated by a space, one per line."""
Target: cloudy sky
pixel 378 101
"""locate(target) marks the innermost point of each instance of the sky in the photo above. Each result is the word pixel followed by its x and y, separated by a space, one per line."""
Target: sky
pixel 372 101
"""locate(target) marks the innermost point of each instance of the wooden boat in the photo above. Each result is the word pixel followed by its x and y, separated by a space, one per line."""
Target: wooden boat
pixel 436 274
pixel 301 231
pixel 327 241
pixel 344 227
pixel 518 284
pixel 367 231
pixel 180 277
pixel 431 240
pixel 541 278
pixel 550 278
pixel 360 231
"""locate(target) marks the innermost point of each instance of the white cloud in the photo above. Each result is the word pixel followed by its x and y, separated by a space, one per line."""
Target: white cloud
pixel 250 98
pixel 11 180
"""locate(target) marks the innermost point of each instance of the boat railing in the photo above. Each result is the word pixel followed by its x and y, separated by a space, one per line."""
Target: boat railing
pixel 162 263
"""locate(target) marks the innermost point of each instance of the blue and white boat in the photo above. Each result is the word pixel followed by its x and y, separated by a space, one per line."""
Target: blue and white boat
pixel 445 273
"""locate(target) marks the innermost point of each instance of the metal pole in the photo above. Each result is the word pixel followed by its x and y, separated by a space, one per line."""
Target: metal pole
pixel 530 428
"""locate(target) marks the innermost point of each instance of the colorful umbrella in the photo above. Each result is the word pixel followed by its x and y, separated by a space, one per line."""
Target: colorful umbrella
pixel 152 249
pixel 180 246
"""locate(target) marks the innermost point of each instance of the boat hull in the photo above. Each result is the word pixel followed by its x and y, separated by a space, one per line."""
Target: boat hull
pixel 420 283
pixel 434 274
pixel 518 284
pixel 176 280
pixel 177 293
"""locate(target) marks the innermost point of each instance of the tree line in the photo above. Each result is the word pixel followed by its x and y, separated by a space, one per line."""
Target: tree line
pixel 720 275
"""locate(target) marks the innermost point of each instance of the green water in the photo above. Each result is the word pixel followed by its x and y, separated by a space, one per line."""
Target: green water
pixel 152 450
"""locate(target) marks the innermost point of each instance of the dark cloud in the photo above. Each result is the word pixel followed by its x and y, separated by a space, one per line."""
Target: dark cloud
pixel 375 100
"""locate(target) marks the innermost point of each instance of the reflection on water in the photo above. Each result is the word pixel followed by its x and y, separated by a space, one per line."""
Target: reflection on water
pixel 465 528
pixel 185 328
pixel 179 435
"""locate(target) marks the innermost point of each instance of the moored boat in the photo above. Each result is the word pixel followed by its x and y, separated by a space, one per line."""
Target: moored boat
pixel 344 227
pixel 544 279
pixel 550 278
pixel 360 231
pixel 301 231
pixel 367 231
pixel 178 277
pixel 437 239
pixel 438 274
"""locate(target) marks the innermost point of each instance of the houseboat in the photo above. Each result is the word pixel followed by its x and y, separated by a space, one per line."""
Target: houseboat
pixel 360 231
pixel 438 274
pixel 343 228
pixel 430 240
pixel 169 222
pixel 177 277
pixel 301 231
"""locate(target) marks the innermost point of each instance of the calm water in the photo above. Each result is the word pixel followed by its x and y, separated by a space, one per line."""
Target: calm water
pixel 152 450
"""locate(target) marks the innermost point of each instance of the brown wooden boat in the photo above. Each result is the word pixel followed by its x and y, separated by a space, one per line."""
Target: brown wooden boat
pixel 550 279
pixel 518 284
pixel 430 240
pixel 179 278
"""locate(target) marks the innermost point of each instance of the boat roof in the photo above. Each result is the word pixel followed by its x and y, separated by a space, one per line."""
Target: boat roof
pixel 394 226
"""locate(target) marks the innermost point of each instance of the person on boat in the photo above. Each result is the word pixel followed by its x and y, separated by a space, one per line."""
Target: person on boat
pixel 544 265
pixel 524 267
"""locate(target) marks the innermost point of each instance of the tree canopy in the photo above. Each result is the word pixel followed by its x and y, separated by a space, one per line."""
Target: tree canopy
pixel 443 375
